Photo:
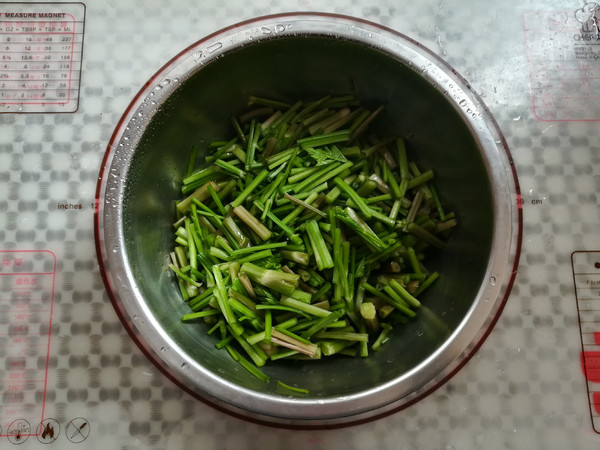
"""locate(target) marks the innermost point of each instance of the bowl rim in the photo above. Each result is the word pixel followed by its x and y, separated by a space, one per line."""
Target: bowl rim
pixel 295 412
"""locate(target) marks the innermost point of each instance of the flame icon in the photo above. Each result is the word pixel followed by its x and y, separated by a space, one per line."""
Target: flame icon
pixel 48 432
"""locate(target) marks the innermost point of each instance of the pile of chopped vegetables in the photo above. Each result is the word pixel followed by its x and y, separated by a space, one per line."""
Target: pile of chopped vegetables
pixel 303 236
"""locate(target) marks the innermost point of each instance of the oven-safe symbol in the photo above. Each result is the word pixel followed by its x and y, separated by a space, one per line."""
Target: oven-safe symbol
pixel 48 431
pixel 19 431
pixel 78 430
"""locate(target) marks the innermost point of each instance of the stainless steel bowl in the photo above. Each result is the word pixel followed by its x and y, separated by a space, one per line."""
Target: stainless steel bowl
pixel 292 56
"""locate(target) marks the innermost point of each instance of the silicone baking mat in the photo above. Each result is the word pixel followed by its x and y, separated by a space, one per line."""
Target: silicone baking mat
pixel 71 377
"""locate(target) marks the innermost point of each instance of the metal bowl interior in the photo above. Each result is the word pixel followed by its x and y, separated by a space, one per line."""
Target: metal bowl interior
pixel 446 128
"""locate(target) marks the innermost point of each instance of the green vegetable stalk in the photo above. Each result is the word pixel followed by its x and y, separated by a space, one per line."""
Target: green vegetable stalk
pixel 302 236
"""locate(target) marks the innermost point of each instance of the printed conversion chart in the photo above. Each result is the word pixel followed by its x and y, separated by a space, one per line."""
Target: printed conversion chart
pixel 41 48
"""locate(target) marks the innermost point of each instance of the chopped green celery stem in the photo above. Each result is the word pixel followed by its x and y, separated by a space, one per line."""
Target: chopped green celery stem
pixel 306 308
pixel 392 301
pixel 199 194
pixel 316 116
pixel 232 352
pixel 256 256
pixel 345 188
pixel 322 255
pixel 223 243
pixel 214 328
pixel 395 209
pixel 401 159
pixel 277 280
pixel 191 160
pixel 243 309
pixel 385 253
pixel 391 179
pixel 289 232
pixel 270 191
pixel 200 174
pixel 251 144
pixel 253 369
pixel 268 324
pixel 281 158
pixel 183 276
pixel 207 293
pixel 425 235
pixel 420 179
pixel 298 257
pixel 399 302
pixel 322 125
pixel 241 296
pixel 224 342
pixel 323 170
pixel 292 388
pixel 218 253
pixel 406 296
pixel 375 214
pixel 323 323
pixel 412 258
pixel 257 337
pixel 301 295
pixel 255 248
pixel 221 295
pixel 239 238
pixel 342 335
pixel 255 100
pixel 338 171
pixel 382 338
pixel 326 227
pixel 181 257
pixel 437 202
pixel 260 229
pixel 292 161
pixel 349 217
pixel 293 335
pixel 238 129
pixel 299 209
pixel 360 129
pixel 324 289
pixel 267 209
pixel 325 139
pixel 425 284
pixel 366 188
pixel 216 199
pixel 230 168
pixel 283 354
pixel 283 308
pixel 335 192
pixel 332 347
pixel 305 205
pixel 287 115
pixel 301 195
pixel 290 340
pixel 255 353
pixel 248 190
pixel 378 198
pixel 305 172
pixel 197 315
